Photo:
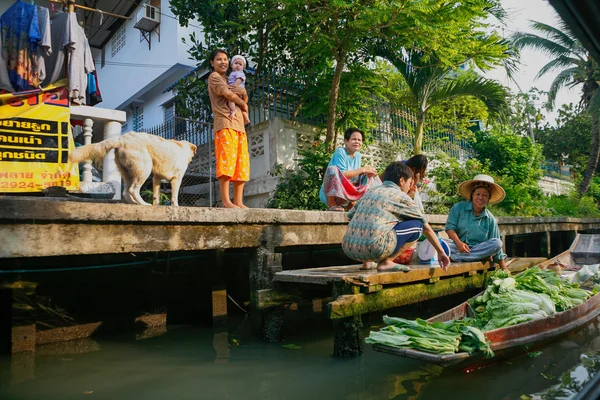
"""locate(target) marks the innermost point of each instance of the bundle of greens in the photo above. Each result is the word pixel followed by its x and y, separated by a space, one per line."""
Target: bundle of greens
pixel 516 306
pixel 437 337
pixel 531 295
pixel 564 295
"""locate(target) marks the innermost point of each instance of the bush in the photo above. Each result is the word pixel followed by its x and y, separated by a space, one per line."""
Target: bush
pixel 299 189
pixel 572 206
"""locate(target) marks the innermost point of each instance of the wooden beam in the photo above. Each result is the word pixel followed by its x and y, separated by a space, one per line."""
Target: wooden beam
pixel 357 304
pixel 267 298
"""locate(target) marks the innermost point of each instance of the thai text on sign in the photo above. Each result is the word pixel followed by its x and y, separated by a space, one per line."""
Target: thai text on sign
pixel 35 140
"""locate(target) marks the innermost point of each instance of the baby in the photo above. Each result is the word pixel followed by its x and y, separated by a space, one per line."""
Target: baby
pixel 237 78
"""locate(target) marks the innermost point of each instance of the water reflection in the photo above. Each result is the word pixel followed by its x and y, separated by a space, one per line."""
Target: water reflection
pixel 195 363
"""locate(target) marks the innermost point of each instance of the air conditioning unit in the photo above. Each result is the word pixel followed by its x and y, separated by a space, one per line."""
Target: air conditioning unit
pixel 147 18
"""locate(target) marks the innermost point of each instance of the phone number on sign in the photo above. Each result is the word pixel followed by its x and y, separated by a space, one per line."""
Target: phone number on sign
pixel 31 185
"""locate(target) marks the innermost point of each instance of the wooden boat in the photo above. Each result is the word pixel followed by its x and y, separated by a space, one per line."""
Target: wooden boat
pixel 519 338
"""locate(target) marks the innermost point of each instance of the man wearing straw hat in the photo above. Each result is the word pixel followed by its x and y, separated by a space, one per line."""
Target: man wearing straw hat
pixel 471 227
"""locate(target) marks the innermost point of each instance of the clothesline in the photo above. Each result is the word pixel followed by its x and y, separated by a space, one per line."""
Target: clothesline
pixel 38 50
pixel 69 4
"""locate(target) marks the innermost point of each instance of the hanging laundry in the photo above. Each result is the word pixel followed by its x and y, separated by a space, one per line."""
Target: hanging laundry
pixel 5 85
pixel 93 90
pixel 20 35
pixel 45 45
pixel 71 46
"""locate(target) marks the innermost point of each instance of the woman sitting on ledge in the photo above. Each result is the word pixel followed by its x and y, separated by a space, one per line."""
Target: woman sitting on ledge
pixel 471 227
pixel 345 180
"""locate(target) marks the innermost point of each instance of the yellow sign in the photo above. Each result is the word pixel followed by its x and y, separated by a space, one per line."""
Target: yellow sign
pixel 35 140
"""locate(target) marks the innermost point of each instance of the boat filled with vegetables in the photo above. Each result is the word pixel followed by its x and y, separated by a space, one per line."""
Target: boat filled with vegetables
pixel 513 314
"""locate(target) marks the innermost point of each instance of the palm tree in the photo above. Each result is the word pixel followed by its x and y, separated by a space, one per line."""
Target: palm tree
pixel 431 83
pixel 576 67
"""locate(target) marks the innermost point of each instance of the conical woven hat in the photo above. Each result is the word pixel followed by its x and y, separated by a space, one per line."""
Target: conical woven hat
pixel 496 192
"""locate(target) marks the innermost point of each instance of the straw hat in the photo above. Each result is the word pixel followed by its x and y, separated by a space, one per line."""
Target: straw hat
pixel 496 192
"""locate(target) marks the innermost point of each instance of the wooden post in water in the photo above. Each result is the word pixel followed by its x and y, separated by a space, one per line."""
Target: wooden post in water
pixel 346 342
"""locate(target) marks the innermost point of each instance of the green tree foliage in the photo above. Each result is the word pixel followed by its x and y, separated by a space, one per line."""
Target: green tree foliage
pixel 568 142
pixel 458 113
pixel 526 113
pixel 315 35
pixel 431 83
pixel 575 68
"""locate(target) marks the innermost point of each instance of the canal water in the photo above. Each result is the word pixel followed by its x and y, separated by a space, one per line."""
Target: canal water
pixel 228 363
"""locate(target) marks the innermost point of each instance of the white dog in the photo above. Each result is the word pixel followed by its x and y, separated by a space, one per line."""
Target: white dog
pixel 136 155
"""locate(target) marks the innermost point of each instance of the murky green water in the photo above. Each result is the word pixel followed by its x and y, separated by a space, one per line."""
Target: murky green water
pixel 226 363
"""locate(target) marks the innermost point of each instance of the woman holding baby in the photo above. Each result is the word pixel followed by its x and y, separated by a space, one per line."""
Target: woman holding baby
pixel 231 143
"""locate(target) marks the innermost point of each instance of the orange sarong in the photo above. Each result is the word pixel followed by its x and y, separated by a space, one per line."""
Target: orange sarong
pixel 231 153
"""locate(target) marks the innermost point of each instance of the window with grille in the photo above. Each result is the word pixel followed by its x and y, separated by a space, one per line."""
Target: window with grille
pixel 174 126
pixel 138 119
pixel 169 109
pixel 118 41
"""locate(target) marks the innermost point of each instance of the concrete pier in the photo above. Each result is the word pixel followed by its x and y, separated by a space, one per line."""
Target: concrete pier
pixel 43 233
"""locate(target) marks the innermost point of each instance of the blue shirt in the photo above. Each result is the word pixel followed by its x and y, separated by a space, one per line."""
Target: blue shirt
pixel 472 229
pixel 344 162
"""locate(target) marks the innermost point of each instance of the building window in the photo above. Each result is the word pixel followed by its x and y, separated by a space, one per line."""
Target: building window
pixel 138 119
pixel 169 110
pixel 118 41
pixel 174 126
pixel 124 128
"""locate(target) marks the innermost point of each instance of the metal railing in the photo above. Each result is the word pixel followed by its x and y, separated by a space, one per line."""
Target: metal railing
pixel 279 94
pixel 199 184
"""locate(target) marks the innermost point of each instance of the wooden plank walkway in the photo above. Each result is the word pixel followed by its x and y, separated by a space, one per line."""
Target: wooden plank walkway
pixel 419 272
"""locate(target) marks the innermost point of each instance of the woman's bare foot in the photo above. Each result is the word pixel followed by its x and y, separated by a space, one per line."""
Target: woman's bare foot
pixel 229 204
pixel 368 265
pixel 240 205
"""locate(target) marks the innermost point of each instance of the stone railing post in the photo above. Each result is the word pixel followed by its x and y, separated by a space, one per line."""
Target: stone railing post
pixel 88 123
pixel 110 172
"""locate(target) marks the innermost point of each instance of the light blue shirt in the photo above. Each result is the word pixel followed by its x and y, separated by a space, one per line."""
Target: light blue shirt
pixel 472 229
pixel 344 162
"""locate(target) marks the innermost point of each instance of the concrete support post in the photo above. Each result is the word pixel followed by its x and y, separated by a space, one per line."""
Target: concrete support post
pixel 88 123
pixel 266 323
pixel 549 244
pixel 110 172
pixel 18 331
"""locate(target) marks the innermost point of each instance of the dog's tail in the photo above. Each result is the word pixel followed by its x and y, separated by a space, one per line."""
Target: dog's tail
pixel 95 151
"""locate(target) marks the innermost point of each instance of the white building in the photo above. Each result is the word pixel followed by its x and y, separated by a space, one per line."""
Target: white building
pixel 137 59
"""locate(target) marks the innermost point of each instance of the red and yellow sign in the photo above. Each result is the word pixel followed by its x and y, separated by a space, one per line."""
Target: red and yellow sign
pixel 35 140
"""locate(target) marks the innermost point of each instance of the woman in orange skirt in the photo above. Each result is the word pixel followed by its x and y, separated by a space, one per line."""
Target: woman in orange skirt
pixel 231 143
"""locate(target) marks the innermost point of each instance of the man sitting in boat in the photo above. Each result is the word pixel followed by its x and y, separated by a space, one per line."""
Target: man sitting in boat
pixel 386 221
pixel 471 227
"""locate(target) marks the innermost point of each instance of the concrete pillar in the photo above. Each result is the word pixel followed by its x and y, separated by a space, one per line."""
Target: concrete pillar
pixel 110 173
pixel 88 123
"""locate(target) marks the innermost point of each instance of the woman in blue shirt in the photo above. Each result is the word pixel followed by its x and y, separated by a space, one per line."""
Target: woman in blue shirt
pixel 346 180
pixel 471 227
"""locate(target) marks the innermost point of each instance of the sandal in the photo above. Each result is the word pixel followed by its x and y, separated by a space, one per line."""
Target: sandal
pixel 396 268
pixel 337 208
